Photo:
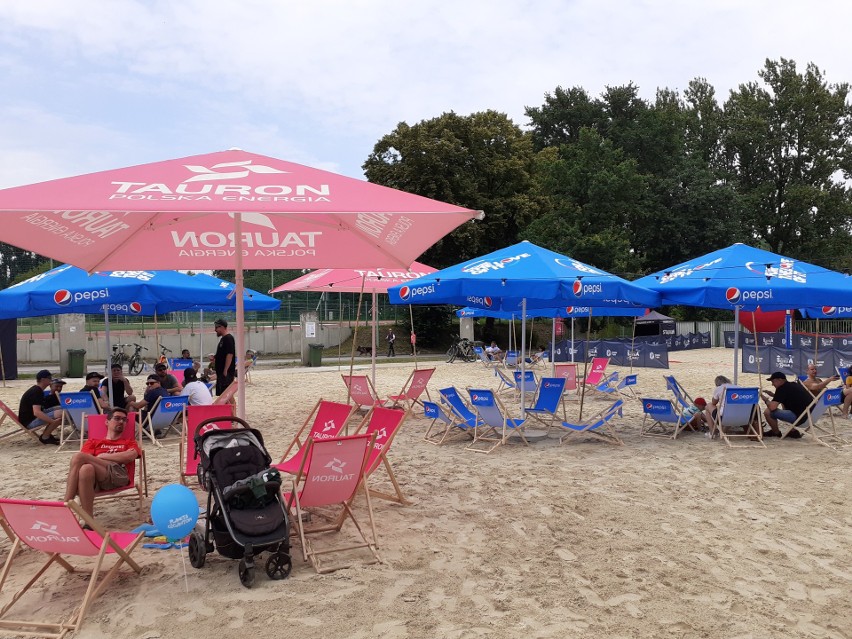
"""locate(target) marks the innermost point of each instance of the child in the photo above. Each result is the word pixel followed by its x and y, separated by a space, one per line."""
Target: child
pixel 696 416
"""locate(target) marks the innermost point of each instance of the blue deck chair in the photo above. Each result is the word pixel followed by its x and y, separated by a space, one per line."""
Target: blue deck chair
pixel 75 408
pixel 809 421
pixel 682 398
pixel 529 384
pixel 548 401
pixel 739 409
pixel 483 356
pixel 842 373
pixel 598 425
pixel 443 427
pixel 662 418
pixel 179 364
pixel 505 382
pixel 494 428
pixel 623 388
pixel 512 359
pixel 166 414
pixel 463 418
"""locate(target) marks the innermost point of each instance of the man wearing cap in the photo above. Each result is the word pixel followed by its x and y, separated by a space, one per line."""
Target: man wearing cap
pixel 92 381
pixel 167 380
pixel 122 393
pixel 153 390
pixel 794 397
pixel 102 463
pixel 226 357
pixel 31 411
pixel 51 396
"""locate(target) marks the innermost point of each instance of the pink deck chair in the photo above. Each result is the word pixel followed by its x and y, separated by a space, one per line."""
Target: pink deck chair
pixel 97 429
pixel 194 416
pixel 412 389
pixel 597 372
pixel 229 395
pixel 326 420
pixel 360 391
pixel 331 472
pixel 569 372
pixel 8 413
pixel 53 528
pixel 385 423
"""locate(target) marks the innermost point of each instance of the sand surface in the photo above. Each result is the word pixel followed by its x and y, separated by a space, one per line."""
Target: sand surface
pixel 684 538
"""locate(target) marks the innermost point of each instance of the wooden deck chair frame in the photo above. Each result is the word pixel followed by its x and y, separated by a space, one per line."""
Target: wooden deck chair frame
pixel 171 406
pixel 321 459
pixel 75 407
pixel 551 390
pixel 385 424
pixel 137 470
pixel 820 407
pixel 229 395
pixel 361 392
pixel 597 425
pixel 681 396
pixel 463 418
pixel 7 413
pixel 663 418
pixel 606 388
pixel 494 428
pixel 250 364
pixel 325 421
pixel 529 381
pixel 483 357
pixel 412 389
pixel 63 536
pixel 504 383
pixel 739 408
pixel 624 387
pixel 193 416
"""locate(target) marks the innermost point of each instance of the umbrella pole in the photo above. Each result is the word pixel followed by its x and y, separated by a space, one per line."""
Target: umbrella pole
pixel 339 328
pixel 241 334
pixel 156 338
pixel 585 364
pixel 414 343
pixel 108 365
pixel 553 348
pixel 816 342
pixel 632 345
pixel 373 332
pixel 355 339
pixel 572 340
pixel 736 342
pixel 201 339
pixel 523 359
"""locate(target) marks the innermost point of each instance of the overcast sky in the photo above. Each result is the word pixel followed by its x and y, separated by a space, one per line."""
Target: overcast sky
pixel 92 85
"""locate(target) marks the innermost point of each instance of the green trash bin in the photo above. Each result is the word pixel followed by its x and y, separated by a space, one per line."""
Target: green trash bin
pixel 76 362
pixel 315 354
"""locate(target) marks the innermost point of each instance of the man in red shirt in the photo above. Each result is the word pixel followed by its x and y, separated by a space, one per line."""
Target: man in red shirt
pixel 101 464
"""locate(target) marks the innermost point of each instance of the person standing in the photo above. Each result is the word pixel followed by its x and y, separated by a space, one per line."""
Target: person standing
pixel 225 362
pixel 390 338
pixel 413 342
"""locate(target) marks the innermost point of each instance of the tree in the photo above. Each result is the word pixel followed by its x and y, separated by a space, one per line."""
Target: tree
pixel 787 148
pixel 482 161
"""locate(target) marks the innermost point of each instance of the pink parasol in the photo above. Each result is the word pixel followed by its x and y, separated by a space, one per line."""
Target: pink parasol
pixel 195 212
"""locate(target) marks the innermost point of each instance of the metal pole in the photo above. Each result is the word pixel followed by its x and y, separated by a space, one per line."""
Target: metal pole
pixel 241 336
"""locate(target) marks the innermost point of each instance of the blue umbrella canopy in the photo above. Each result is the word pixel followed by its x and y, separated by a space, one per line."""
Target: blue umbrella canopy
pixel 827 312
pixel 68 289
pixel 562 311
pixel 502 279
pixel 744 277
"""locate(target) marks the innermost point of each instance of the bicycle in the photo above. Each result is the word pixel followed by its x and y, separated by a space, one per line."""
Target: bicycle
pixel 119 357
pixel 462 348
pixel 163 359
pixel 135 363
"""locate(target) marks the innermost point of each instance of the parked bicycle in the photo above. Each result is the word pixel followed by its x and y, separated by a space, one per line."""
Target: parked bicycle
pixel 462 348
pixel 163 359
pixel 135 363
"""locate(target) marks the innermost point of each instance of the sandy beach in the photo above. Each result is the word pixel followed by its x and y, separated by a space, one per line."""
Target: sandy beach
pixel 684 538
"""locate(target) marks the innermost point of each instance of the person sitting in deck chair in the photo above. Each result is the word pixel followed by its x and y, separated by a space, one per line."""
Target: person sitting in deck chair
pixel 92 381
pixel 31 411
pixel 196 390
pixel 153 390
pixel 494 353
pixel 100 465
pixel 816 384
pixel 794 397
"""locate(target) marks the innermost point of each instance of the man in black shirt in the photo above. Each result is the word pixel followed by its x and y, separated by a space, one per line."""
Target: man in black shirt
pixel 51 398
pixel 31 412
pixel 795 399
pixel 123 393
pixel 92 381
pixel 225 362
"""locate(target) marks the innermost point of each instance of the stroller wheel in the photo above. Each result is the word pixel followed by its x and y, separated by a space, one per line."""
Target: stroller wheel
pixel 278 565
pixel 197 550
pixel 246 574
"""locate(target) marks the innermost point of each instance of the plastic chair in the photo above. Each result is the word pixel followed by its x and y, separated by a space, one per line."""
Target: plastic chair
pixel 494 428
pixel 739 408
pixel 53 528
pixel 597 425
pixel 326 420
pixel 166 414
pixel 330 475
pixel 97 429
pixel 187 459
pixel 360 391
pixel 412 389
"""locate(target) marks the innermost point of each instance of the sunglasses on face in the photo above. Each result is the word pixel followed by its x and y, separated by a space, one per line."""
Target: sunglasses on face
pixel 150 383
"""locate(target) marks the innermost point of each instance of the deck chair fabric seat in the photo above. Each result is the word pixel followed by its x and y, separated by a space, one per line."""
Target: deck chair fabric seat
pixel 361 392
pixel 682 398
pixel 596 374
pixel 483 357
pixel 7 414
pixel 504 382
pixel 493 427
pixel 325 421
pixel 136 470
pixel 443 426
pixel 412 389
pixel 624 387
pixel 187 459
pixel 548 401
pixel 384 423
pixel 569 373
pixel 345 460
pixel 597 425
pixel 662 418
pixel 526 382
pixel 464 419
pixel 75 407
pixel 54 529
pixel 178 364
pixel 739 409
pixel 165 415
pixel 512 359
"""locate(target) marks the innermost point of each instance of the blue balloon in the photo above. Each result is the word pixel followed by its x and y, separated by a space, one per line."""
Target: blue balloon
pixel 174 511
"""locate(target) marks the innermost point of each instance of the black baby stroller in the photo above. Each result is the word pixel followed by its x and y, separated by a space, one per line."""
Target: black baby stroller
pixel 245 512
